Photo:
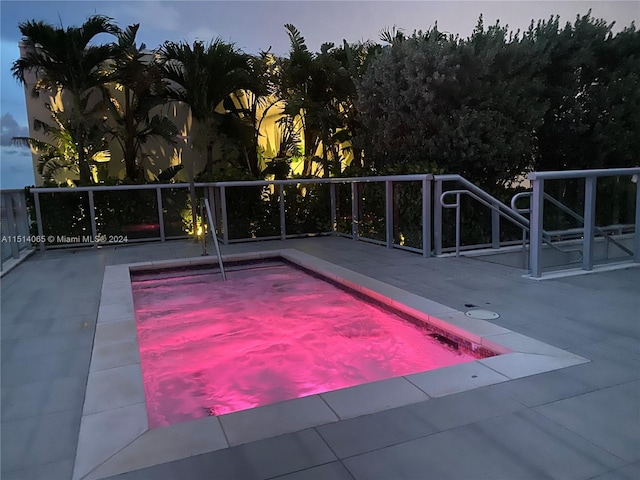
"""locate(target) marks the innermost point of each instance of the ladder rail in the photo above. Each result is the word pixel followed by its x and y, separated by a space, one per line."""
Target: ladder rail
pixel 214 234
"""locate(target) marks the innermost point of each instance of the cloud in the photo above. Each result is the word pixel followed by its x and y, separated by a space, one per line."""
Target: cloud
pixel 152 15
pixel 16 168
pixel 161 20
pixel 10 128
pixel 204 34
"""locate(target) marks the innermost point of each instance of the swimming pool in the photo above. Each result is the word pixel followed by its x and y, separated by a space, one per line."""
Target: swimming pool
pixel 271 332
pixel 114 431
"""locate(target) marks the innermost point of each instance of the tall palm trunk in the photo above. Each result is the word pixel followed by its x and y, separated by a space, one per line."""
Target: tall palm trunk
pixel 130 151
pixel 325 160
pixel 209 165
pixel 309 147
pixel 80 138
pixel 83 165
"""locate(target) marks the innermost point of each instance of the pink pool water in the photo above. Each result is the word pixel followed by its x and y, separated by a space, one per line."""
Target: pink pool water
pixel 271 332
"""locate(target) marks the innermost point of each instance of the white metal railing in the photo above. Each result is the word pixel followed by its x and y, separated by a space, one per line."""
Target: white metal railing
pixel 220 189
pixel 591 177
pixel 94 238
pixel 14 225
pixel 218 192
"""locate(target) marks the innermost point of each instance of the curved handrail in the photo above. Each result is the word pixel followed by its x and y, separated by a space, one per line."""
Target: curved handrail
pixel 488 197
pixel 494 204
pixel 515 221
pixel 517 197
pixel 569 212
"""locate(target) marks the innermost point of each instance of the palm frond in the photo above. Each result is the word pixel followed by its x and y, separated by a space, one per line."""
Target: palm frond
pixel 392 35
pixel 127 37
pixel 297 40
pixel 168 173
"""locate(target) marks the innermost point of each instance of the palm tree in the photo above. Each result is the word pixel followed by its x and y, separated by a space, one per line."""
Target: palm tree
pixel 249 108
pixel 138 76
pixel 64 60
pixel 311 86
pixel 204 76
pixel 58 155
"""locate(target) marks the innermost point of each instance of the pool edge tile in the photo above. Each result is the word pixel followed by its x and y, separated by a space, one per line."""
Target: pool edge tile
pixel 518 365
pixel 113 332
pixel 124 387
pixel 276 419
pixel 115 273
pixel 95 447
pixel 156 446
pixel 114 312
pixel 456 378
pixel 373 397
pixel 108 355
pixel 516 342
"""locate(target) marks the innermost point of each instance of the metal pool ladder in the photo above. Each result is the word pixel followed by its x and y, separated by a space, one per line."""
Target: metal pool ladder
pixel 204 204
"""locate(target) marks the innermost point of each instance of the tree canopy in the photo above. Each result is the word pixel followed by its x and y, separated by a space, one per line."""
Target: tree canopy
pixel 491 106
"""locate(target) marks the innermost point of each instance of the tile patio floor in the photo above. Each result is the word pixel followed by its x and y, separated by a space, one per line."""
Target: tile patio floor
pixel 581 422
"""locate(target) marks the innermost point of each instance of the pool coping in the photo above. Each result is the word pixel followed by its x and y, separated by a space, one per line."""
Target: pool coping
pixel 114 432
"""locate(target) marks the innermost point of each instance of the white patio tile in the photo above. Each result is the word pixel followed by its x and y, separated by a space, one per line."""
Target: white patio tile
pixel 454 379
pixel 276 419
pixel 518 365
pixel 159 445
pixel 106 433
pixel 373 397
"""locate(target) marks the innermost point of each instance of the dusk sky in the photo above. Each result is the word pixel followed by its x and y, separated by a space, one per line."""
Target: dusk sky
pixel 258 25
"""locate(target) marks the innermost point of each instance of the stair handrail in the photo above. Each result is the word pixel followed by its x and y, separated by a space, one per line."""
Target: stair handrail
pixel 571 213
pixel 487 196
pixel 502 209
pixel 513 219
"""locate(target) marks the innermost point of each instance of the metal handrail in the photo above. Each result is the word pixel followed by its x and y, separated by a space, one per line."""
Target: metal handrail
pixel 487 197
pixel 203 201
pixel 492 205
pixel 571 213
pixel 517 197
pixel 590 177
pixel 479 199
pixel 593 173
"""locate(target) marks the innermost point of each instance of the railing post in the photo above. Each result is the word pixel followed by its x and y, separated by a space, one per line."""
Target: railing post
pixel 22 225
pixel 388 197
pixel 333 200
pixel 589 222
pixel 36 201
pixel 437 218
pixel 535 222
pixel 354 210
pixel 223 208
pixel 11 220
pixel 160 213
pixel 212 203
pixel 457 224
pixel 426 217
pixel 92 218
pixel 283 226
pixel 636 243
pixel 204 232
pixel 495 226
